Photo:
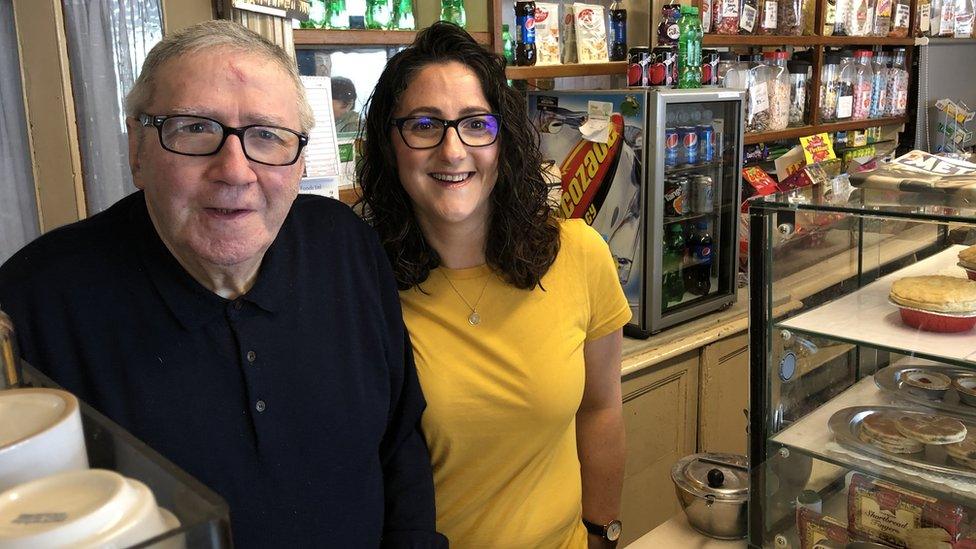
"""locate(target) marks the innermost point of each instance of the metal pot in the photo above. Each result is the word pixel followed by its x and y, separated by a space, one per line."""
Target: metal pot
pixel 713 490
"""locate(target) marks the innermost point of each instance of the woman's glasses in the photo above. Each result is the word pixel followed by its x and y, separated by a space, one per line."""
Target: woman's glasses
pixel 427 132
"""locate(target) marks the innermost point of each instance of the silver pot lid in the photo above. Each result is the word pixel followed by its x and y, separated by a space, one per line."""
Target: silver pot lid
pixel 722 476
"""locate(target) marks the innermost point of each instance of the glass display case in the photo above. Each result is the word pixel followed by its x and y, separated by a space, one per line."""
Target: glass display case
pixel 862 408
pixel 203 515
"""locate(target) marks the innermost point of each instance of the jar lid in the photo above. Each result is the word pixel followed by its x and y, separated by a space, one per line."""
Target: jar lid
pixel 722 476
pixel 798 67
pixel 728 56
pixel 863 53
pixel 832 59
pixel 777 55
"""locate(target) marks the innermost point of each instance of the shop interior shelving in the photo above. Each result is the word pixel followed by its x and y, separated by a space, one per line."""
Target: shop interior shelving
pixel 571 70
pixel 331 37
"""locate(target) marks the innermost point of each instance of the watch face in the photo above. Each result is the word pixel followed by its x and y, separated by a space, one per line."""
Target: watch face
pixel 613 530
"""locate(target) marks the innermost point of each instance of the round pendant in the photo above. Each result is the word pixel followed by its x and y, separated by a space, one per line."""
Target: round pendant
pixel 474 319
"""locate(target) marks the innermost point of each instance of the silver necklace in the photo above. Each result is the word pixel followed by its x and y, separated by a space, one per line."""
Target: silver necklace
pixel 474 318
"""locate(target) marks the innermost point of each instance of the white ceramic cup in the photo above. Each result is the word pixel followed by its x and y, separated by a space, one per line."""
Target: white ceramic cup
pixel 83 509
pixel 40 434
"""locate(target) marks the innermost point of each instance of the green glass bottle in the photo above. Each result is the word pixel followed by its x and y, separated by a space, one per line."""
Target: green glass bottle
pixel 316 15
pixel 378 14
pixel 689 48
pixel 453 11
pixel 508 51
pixel 336 14
pixel 403 16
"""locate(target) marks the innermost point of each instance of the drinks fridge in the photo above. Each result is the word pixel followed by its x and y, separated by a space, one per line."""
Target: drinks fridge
pixel 656 172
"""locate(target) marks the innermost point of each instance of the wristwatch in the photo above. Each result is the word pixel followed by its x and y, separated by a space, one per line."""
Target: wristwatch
pixel 609 531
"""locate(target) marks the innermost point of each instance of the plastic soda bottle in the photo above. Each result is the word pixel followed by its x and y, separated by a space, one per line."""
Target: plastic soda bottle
pixel 403 16
pixel 316 15
pixel 672 284
pixel 525 21
pixel 689 48
pixel 453 11
pixel 507 50
pixel 618 31
pixel 378 14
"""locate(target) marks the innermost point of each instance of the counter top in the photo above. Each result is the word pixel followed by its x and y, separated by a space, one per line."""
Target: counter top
pixel 677 533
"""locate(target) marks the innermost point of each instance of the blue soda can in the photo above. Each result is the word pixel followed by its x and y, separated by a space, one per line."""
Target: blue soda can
pixel 670 147
pixel 688 144
pixel 706 143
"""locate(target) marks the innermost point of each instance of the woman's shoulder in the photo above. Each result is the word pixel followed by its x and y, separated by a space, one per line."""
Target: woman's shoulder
pixel 577 236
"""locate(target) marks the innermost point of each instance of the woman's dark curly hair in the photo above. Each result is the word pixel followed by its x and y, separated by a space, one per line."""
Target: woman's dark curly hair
pixel 523 237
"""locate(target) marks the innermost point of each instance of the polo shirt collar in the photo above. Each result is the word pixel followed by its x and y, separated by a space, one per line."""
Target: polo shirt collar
pixel 192 303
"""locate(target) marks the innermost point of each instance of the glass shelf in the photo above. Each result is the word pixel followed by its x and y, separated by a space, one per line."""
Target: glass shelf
pixel 915 206
pixel 691 168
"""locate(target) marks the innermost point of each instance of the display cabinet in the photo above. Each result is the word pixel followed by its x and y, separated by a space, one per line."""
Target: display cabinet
pixel 203 515
pixel 844 445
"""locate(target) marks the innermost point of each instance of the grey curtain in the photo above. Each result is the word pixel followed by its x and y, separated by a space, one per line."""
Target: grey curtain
pixel 18 205
pixel 107 42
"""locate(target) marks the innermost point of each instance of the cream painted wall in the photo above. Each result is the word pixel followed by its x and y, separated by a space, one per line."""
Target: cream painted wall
pixel 178 14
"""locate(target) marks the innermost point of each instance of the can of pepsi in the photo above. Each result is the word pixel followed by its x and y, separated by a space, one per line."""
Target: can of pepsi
pixel 671 147
pixel 706 143
pixel 688 145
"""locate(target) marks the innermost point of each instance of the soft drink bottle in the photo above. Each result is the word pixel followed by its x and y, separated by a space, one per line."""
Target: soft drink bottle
pixel 618 31
pixel 453 11
pixel 316 15
pixel 689 48
pixel 403 16
pixel 698 277
pixel 336 14
pixel 672 285
pixel 378 14
pixel 525 45
pixel 507 50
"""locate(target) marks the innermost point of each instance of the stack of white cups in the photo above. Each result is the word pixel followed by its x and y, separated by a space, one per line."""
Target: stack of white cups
pixel 48 495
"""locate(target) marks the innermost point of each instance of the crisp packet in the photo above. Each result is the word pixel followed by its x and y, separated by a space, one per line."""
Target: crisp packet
pixel 591 33
pixel 568 35
pixel 547 33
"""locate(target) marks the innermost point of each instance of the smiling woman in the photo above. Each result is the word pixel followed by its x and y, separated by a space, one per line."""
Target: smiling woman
pixel 514 316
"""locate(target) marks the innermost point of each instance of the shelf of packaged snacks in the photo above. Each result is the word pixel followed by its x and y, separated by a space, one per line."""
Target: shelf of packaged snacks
pixel 575 69
pixel 350 37
pixel 803 131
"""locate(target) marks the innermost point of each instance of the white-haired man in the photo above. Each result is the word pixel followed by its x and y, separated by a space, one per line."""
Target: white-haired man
pixel 251 336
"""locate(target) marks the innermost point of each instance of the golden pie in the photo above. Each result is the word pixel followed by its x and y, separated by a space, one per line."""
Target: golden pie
pixel 967 258
pixel 965 450
pixel 944 294
pixel 931 428
pixel 880 429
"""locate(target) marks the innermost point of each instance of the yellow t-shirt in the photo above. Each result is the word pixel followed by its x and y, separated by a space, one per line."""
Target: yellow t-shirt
pixel 502 395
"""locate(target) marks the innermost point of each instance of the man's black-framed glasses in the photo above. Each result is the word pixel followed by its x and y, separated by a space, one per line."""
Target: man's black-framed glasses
pixel 202 136
pixel 427 132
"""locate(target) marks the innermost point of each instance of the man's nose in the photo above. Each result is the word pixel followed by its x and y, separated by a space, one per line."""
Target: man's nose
pixel 231 165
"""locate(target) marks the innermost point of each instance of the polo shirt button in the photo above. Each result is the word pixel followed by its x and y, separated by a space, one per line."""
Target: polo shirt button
pixel 251 355
pixel 260 406
pixel 238 304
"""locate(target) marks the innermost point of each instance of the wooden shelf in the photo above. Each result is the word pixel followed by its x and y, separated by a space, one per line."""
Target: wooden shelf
pixel 767 40
pixel 803 131
pixel 759 40
pixel 557 71
pixel 330 37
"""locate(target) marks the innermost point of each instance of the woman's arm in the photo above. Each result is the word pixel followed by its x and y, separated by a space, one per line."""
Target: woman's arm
pixel 600 432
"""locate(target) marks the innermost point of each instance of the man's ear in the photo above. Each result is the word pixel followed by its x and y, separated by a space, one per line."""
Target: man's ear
pixel 133 129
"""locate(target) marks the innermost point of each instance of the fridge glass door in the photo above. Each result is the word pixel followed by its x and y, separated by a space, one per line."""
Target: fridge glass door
pixel 698 201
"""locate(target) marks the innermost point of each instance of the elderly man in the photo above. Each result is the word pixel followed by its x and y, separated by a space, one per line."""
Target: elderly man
pixel 251 336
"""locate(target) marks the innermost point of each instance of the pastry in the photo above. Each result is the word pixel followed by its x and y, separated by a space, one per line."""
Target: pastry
pixel 926 384
pixel 931 428
pixel 928 538
pixel 965 449
pixel 965 386
pixel 880 430
pixel 965 462
pixel 944 294
pixel 967 258
pixel 908 446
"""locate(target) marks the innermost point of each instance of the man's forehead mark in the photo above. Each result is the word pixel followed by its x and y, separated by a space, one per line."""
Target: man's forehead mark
pixel 237 72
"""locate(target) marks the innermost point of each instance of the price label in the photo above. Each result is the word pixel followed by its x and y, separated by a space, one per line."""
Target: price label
pixel 924 18
pixel 845 106
pixel 730 8
pixel 901 17
pixel 769 15
pixel 758 98
pixel 748 19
